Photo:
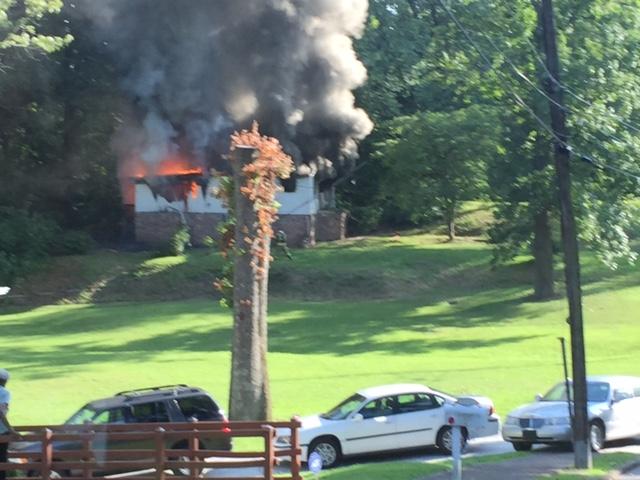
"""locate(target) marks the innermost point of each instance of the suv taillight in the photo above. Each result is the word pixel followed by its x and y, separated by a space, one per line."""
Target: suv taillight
pixel 226 429
pixel 492 410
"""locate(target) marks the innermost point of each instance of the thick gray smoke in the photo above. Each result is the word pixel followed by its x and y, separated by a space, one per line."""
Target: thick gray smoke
pixel 198 69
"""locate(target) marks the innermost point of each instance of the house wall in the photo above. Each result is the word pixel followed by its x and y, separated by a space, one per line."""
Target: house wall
pixel 304 201
pixel 156 219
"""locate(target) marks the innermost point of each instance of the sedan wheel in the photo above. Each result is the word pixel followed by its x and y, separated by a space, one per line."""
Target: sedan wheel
pixel 445 440
pixel 596 436
pixel 329 451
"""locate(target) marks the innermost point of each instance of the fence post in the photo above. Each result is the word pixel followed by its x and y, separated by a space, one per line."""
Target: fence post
pixel 160 452
pixel 296 463
pixel 47 454
pixel 194 446
pixel 269 448
pixel 86 455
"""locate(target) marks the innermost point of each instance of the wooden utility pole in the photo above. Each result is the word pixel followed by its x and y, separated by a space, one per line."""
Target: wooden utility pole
pixel 250 397
pixel 581 429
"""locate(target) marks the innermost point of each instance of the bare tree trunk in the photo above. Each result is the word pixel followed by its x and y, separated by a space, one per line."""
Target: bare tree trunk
pixel 250 397
pixel 543 257
pixel 451 221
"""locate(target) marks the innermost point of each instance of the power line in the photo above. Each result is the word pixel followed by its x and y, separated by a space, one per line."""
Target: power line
pixel 622 120
pixel 587 158
pixel 519 99
pixel 543 93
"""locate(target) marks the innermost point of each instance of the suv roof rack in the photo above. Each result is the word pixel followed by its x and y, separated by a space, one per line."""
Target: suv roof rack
pixel 150 389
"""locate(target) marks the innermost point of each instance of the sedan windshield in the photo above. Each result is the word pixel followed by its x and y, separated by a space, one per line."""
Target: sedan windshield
pixel 344 409
pixel 82 416
pixel 596 392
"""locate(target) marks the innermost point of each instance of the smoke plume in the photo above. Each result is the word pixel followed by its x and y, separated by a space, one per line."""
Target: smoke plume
pixel 197 69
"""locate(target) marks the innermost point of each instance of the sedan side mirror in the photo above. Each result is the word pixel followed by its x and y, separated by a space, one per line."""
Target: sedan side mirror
pixel 358 417
pixel 538 397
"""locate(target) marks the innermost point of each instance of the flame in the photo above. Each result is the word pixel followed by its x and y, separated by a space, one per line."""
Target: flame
pixel 135 168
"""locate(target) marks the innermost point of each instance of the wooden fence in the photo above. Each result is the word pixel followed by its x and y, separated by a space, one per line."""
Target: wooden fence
pixel 148 451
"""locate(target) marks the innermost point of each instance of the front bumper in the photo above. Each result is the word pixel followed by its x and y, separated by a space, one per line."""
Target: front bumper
pixel 544 434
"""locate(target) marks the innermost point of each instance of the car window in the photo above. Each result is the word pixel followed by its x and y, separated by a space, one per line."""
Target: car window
pixel 415 402
pixel 114 415
pixel 596 392
pixel 154 412
pixel 380 407
pixel 202 408
pixel 84 415
pixel 345 408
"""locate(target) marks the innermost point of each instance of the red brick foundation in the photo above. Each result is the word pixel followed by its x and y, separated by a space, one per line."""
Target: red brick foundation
pixel 157 228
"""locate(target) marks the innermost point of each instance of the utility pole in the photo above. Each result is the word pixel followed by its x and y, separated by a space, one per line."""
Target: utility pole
pixel 581 429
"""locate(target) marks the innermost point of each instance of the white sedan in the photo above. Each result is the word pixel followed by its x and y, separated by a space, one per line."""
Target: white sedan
pixel 392 417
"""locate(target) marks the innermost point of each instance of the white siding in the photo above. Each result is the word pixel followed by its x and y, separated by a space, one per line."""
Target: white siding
pixel 304 201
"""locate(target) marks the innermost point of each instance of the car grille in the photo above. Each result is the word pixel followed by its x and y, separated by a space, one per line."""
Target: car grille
pixel 531 422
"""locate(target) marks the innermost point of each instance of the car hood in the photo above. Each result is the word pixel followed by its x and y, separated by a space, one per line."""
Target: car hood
pixel 552 409
pixel 314 421
pixel 310 425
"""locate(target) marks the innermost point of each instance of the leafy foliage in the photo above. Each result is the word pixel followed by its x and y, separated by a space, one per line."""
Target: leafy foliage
pixel 25 239
pixel 438 159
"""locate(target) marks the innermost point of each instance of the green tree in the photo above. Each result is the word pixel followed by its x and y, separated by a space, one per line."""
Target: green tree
pixel 435 160
pixel 20 25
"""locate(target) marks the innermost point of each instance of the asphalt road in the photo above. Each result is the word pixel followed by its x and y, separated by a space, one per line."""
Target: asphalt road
pixel 476 448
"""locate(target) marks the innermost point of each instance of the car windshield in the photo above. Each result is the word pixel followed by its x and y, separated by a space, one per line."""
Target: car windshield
pixel 344 409
pixel 82 416
pixel 596 392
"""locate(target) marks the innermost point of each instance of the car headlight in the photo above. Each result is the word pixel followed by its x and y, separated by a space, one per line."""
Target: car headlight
pixel 512 420
pixel 284 440
pixel 557 421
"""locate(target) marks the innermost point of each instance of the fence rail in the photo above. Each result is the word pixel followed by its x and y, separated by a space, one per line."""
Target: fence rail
pixel 148 451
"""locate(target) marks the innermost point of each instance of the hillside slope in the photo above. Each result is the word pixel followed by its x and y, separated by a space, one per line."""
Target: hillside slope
pixel 393 309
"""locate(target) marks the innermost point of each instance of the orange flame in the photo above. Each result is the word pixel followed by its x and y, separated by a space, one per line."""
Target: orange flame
pixel 174 165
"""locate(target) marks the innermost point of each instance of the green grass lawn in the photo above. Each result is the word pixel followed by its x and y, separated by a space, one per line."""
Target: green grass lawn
pixel 448 321
pixel 602 464
pixel 382 471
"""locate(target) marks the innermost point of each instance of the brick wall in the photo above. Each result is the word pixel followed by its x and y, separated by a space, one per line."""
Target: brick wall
pixel 156 228
pixel 331 225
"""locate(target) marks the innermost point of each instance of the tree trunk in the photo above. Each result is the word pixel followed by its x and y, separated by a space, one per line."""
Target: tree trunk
pixel 543 257
pixel 250 397
pixel 450 217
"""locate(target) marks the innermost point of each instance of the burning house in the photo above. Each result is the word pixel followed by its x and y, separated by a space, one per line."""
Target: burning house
pixel 194 71
pixel 180 195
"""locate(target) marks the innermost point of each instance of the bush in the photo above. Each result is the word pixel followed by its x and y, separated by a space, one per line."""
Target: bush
pixel 25 240
pixel 74 242
pixel 179 242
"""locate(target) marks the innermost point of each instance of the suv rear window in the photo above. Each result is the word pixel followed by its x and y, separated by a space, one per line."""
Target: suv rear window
pixel 201 407
pixel 154 412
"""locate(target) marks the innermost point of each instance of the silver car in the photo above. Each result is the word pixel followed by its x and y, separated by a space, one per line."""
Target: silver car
pixel 614 413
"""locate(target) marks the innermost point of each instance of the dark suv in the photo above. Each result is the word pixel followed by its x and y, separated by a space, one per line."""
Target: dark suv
pixel 164 404
pixel 168 403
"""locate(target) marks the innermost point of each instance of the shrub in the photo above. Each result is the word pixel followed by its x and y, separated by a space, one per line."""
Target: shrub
pixel 25 240
pixel 180 241
pixel 73 242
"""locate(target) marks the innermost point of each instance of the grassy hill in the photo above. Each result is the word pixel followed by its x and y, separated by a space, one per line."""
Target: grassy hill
pixel 407 308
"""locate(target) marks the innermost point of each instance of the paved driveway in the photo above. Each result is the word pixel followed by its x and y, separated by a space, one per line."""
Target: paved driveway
pixel 542 460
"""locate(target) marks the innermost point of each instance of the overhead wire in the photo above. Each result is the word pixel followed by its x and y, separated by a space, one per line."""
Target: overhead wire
pixel 531 83
pixel 563 143
pixel 627 123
